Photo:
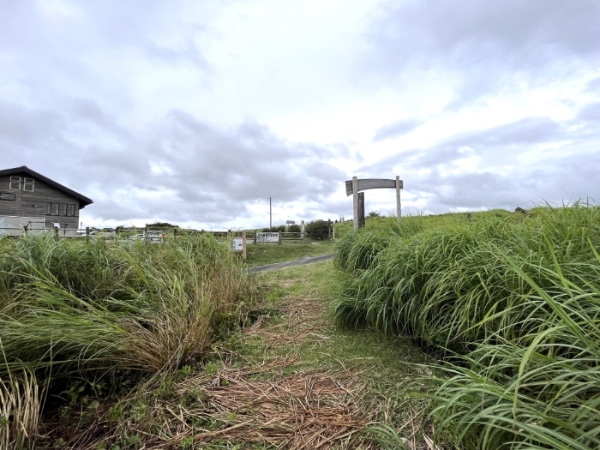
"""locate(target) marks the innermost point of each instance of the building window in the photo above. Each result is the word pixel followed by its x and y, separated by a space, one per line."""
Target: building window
pixel 7 196
pixel 52 209
pixel 61 209
pixel 15 183
pixel 28 184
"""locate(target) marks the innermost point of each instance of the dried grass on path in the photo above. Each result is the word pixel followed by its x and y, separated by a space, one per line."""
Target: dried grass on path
pixel 312 409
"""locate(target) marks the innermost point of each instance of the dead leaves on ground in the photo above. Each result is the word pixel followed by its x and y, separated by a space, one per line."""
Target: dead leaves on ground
pixel 312 409
pixel 276 404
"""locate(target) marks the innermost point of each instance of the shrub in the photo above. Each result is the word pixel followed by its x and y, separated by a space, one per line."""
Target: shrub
pixel 276 229
pixel 318 229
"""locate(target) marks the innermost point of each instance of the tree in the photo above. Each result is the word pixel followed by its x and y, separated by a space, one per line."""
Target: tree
pixel 373 214
pixel 318 230
pixel 274 229
pixel 294 228
pixel 161 225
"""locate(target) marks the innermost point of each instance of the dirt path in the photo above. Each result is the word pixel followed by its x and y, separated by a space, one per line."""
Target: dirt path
pixel 292 381
pixel 267 394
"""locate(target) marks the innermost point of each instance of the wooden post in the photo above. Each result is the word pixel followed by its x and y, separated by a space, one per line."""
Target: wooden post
pixel 398 204
pixel 243 244
pixel 174 234
pixel 361 210
pixel 358 201
pixel 303 232
pixel 355 201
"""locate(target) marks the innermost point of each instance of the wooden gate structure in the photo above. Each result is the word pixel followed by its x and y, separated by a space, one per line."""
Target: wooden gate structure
pixel 354 188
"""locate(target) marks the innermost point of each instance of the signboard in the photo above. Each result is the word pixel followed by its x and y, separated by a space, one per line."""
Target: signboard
pixel 267 237
pixel 355 186
pixel 372 183
pixel 290 222
pixel 237 245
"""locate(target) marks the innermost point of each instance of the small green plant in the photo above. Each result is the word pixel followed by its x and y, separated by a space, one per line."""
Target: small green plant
pixel 60 443
pixel 187 443
pixel 212 368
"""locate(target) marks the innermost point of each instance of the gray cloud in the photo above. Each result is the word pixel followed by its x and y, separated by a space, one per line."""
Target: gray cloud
pixel 526 131
pixel 502 177
pixel 213 173
pixel 593 87
pixel 590 113
pixel 481 47
pixel 497 146
pixel 510 32
pixel 395 129
pixel 176 110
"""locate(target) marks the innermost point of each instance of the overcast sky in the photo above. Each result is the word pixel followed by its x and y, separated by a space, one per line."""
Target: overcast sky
pixel 196 112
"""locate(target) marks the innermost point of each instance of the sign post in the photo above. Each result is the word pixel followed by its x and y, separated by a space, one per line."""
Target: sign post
pixel 398 203
pixel 239 244
pixel 355 186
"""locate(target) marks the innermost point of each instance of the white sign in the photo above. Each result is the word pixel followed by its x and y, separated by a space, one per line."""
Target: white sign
pixel 267 237
pixel 237 244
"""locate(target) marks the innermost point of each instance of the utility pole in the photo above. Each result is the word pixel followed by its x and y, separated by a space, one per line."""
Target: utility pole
pixel 270 214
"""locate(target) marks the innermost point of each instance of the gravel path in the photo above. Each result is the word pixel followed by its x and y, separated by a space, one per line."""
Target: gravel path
pixel 297 262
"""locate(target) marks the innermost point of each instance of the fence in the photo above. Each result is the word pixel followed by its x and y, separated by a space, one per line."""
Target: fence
pixel 276 237
pixel 150 234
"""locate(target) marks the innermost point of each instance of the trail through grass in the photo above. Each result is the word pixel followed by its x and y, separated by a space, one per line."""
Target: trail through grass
pixel 298 326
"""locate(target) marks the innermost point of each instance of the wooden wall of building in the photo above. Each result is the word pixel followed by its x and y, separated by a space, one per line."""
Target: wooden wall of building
pixel 35 204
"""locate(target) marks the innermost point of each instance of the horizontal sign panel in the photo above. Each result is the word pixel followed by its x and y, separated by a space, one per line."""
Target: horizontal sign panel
pixel 267 237
pixel 372 183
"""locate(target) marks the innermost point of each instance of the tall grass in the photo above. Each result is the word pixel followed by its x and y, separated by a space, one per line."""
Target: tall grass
pixel 20 410
pixel 97 309
pixel 516 306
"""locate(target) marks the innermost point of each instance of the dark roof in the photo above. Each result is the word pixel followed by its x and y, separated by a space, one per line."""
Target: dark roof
pixel 83 200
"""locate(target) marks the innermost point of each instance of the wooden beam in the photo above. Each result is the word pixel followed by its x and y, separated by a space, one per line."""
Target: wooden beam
pixel 371 183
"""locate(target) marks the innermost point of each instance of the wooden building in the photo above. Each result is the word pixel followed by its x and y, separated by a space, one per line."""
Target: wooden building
pixel 26 193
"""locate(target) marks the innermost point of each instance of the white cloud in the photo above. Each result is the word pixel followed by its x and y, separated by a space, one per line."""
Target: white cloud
pixel 198 112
